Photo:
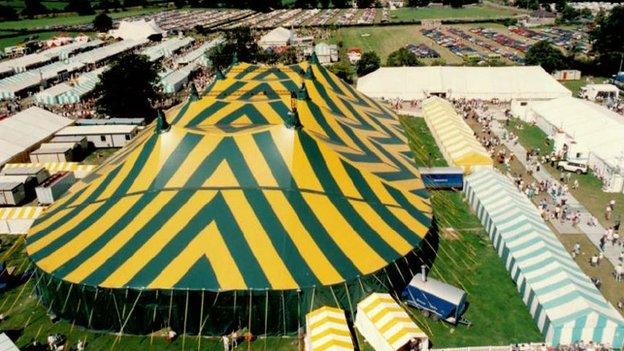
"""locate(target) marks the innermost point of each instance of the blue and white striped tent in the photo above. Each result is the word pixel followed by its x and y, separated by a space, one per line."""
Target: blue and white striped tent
pixel 564 303
pixel 173 81
pixel 64 93
pixel 199 55
pixel 166 48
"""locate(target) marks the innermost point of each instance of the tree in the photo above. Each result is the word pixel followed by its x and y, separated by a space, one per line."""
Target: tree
pixel 368 63
pixel 343 70
pixel 179 3
pixel 570 14
pixel 544 54
pixel 456 3
pixel 109 4
pixel 608 39
pixel 402 57
pixel 340 4
pixel 362 4
pixel 134 3
pixel 418 3
pixel 33 8
pixel 102 23
pixel 239 41
pixel 560 5
pixel 128 88
pixel 81 7
pixel 289 57
pixel 7 13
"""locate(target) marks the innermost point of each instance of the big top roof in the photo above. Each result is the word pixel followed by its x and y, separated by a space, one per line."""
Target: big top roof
pixel 249 188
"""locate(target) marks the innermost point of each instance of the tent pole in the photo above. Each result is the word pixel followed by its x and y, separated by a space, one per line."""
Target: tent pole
pixel 312 300
pixel 185 318
pixel 116 306
pixel 331 288
pixel 170 307
pixel 201 317
pixel 71 286
pixel 349 300
pixel 249 320
pixel 283 313
pixel 266 317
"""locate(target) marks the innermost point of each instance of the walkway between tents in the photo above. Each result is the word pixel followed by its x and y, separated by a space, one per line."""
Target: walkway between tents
pixel 594 233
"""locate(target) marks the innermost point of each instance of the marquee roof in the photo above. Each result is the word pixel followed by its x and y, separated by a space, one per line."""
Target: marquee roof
pixel 233 197
pixel 505 83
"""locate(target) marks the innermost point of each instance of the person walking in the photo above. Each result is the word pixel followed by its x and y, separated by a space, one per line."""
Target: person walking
pixel 618 273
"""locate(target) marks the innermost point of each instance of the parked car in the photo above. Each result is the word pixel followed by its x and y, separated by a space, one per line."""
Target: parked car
pixel 569 166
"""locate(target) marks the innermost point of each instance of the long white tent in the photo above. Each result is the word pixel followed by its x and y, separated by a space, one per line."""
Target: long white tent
pixel 25 130
pixel 70 92
pixel 21 64
pixel 166 48
pixel 592 132
pixel 503 83
pixel 199 55
pixel 563 301
pixel 14 84
pixel 173 81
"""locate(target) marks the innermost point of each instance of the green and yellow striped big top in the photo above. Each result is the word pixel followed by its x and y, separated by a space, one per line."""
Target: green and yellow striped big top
pixel 278 178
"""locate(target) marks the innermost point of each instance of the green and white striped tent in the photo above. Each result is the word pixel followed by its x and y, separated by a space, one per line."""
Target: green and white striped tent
pixel 564 303
pixel 166 48
pixel 65 93
pixel 199 55
pixel 173 81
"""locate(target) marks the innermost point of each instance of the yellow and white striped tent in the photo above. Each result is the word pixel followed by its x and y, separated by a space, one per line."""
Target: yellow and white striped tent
pixel 454 137
pixel 385 325
pixel 17 220
pixel 80 170
pixel 327 330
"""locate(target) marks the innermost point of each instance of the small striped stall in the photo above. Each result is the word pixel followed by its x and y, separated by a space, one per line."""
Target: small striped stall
pixel 327 330
pixel 18 220
pixel 385 325
pixel 80 171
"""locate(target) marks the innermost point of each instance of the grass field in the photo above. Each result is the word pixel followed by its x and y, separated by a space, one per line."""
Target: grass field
pixel 575 85
pixel 49 21
pixel 386 39
pixel 482 12
pixel 467 259
pixel 20 38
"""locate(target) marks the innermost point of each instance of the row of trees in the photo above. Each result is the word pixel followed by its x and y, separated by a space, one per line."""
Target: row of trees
pixel 81 7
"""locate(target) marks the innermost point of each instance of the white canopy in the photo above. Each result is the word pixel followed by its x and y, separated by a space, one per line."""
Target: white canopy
pixel 136 30
pixel 504 83
pixel 26 129
pixel 593 127
pixel 279 36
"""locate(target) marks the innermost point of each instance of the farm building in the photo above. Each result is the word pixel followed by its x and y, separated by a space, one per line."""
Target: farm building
pixel 102 136
pixel 486 83
pixel 25 131
pixel 280 191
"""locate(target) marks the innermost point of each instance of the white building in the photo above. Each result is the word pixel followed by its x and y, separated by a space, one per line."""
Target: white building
pixel 590 134
pixel 102 136
pixel 277 37
pixel 503 83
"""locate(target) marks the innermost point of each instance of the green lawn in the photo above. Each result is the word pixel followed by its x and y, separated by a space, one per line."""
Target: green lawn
pixel 48 21
pixel 481 12
pixel 467 259
pixel 20 38
pixel 530 136
pixel 575 85
pixel 385 39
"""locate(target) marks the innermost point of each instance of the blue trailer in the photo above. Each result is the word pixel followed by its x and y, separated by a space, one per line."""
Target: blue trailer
pixel 440 178
pixel 436 299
